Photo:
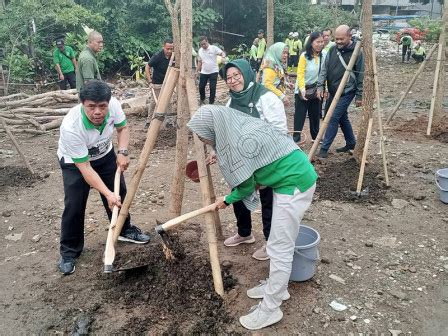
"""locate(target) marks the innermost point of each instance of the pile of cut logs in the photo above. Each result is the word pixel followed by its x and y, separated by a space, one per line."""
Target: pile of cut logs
pixel 38 113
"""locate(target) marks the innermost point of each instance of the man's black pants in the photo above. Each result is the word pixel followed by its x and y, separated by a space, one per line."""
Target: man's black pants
pixel 302 107
pixel 243 217
pixel 69 78
pixel 76 192
pixel 203 79
pixel 405 51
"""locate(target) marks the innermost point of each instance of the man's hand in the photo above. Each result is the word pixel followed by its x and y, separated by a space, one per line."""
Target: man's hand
pixel 358 102
pixel 303 94
pixel 122 162
pixel 113 200
pixel 220 203
pixel 211 159
pixel 61 77
pixel 320 94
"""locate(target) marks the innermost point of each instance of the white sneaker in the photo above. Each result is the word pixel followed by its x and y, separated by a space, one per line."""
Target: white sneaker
pixel 261 253
pixel 257 292
pixel 257 318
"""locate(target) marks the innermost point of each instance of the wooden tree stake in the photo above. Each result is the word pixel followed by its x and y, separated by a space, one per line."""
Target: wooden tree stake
pixel 16 145
pixel 364 157
pixel 166 92
pixel 380 118
pixel 336 98
pixel 206 187
pixel 419 71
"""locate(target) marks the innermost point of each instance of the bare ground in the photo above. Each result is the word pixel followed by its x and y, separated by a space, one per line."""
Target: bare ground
pixel 390 246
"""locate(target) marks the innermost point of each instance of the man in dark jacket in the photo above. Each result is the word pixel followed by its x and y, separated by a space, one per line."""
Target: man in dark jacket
pixel 331 75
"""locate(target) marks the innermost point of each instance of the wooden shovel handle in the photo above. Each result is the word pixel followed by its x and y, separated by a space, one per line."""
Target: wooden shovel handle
pixel 109 252
pixel 178 220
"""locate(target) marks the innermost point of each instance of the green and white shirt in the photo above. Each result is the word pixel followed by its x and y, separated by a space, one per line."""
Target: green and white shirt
pixel 82 141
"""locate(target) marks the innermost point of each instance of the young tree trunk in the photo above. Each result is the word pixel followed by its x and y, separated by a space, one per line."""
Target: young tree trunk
pixel 369 84
pixel 183 115
pixel 439 116
pixel 270 23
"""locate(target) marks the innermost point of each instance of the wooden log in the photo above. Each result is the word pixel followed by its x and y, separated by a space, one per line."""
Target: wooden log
pixel 53 124
pixel 336 98
pixel 68 94
pixel 411 83
pixel 33 122
pixel 380 119
pixel 40 111
pixel 24 130
pixel 166 92
pixel 206 187
pixel 16 145
pixel 13 97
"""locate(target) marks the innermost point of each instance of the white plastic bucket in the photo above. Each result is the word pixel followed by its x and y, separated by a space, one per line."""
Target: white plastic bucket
pixel 306 254
pixel 442 183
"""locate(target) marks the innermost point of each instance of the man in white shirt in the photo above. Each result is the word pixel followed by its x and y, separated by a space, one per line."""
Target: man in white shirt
pixel 208 68
pixel 87 159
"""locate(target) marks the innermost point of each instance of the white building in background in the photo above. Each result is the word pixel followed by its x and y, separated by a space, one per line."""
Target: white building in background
pixel 393 7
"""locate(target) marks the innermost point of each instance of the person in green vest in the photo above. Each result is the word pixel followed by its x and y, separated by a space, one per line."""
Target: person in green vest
pixel 253 55
pixel 419 53
pixel 289 41
pixel 87 62
pixel 406 42
pixel 252 153
pixel 261 46
pixel 64 59
pixel 294 51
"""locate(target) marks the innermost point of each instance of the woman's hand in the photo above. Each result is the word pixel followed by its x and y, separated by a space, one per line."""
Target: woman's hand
pixel 220 204
pixel 286 101
pixel 211 159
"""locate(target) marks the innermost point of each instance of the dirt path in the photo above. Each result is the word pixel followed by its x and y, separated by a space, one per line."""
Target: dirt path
pixel 390 248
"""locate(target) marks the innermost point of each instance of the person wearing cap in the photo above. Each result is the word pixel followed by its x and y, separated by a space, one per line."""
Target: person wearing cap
pixel 261 46
pixel 253 55
pixel 289 41
pixel 419 53
pixel 87 62
pixel 64 59
pixel 295 47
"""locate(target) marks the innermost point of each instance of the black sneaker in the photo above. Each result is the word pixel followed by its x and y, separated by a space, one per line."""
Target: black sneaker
pixel 344 149
pixel 134 235
pixel 66 265
pixel 322 153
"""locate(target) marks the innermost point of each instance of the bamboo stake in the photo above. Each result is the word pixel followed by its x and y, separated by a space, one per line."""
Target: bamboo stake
pixel 336 98
pixel 419 71
pixel 364 157
pixel 166 92
pixel 435 86
pixel 380 118
pixel 16 145
pixel 206 187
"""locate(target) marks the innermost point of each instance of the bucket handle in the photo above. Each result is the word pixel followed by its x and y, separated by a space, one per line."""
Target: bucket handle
pixel 296 250
pixel 437 183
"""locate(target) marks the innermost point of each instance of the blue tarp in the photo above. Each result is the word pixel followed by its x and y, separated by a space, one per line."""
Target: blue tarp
pixel 394 17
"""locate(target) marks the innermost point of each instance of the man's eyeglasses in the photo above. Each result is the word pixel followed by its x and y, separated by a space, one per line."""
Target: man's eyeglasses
pixel 235 77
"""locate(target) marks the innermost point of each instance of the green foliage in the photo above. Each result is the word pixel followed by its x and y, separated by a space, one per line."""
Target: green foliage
pixel 136 63
pixel 431 27
pixel 22 68
pixel 240 51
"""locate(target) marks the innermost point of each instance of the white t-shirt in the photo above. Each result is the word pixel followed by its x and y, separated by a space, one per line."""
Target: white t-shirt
pixel 81 141
pixel 271 110
pixel 209 59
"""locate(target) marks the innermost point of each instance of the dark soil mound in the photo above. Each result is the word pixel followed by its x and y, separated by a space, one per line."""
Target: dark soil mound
pixel 11 176
pixel 338 179
pixel 171 297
